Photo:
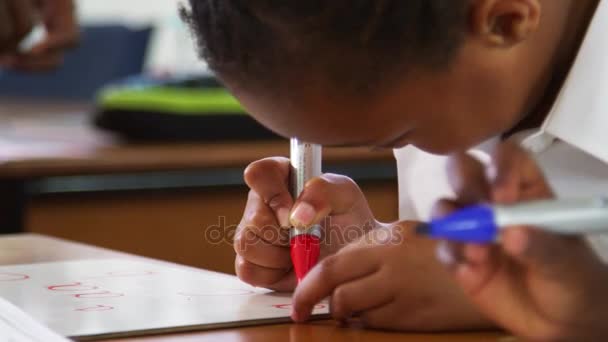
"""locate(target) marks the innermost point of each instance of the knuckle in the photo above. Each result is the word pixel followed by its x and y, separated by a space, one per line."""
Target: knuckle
pixel 251 171
pixel 256 214
pixel 259 219
pixel 329 183
pixel 327 267
pixel 280 200
pixel 271 234
pixel 252 198
pixel 243 240
pixel 339 301
pixel 247 272
pixel 303 299
pixel 332 178
pixel 318 184
pixel 347 185
pixel 378 319
pixel 335 178
pixel 370 320
pixel 261 169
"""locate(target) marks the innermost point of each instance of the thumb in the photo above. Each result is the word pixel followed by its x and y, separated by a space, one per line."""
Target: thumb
pixel 545 253
pixel 322 196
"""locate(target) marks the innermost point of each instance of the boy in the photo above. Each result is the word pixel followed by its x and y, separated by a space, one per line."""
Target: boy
pixel 540 286
pixel 438 75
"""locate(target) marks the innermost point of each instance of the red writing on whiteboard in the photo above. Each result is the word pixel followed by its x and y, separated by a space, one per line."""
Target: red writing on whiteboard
pixel 72 287
pixel 96 308
pixel 13 277
pixel 80 290
pixel 288 306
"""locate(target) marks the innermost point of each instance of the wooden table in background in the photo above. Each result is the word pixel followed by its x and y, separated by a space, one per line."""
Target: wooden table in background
pixel 61 177
pixel 20 249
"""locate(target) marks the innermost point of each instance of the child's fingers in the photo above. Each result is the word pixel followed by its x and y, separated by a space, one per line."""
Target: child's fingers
pixel 257 250
pixel 384 315
pixel 259 221
pixel 322 196
pixel 259 238
pixel 444 207
pixel 477 268
pixel 269 178
pixel 57 42
pixel 6 26
pixel 472 265
pixel 23 17
pixel 358 296
pixel 255 275
pixel 545 253
pixel 517 176
pixel 449 253
pixel 40 62
pixel 262 244
pixel 467 177
pixel 324 278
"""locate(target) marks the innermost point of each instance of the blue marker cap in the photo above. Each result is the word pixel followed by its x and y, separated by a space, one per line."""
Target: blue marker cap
pixel 474 224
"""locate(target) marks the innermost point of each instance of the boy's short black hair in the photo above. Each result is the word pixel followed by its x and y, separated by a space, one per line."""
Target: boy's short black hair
pixel 353 43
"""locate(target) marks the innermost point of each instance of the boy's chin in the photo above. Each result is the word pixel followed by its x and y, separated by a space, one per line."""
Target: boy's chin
pixel 442 149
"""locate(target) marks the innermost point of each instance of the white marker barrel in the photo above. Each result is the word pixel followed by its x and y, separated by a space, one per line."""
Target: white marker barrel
pixel 305 164
pixel 567 216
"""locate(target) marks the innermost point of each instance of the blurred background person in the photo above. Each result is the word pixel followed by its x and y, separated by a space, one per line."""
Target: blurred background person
pixel 18 19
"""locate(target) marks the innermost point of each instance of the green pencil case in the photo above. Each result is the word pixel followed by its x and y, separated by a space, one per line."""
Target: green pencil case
pixel 182 110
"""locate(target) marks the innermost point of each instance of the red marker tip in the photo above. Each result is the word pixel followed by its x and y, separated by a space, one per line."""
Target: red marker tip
pixel 305 251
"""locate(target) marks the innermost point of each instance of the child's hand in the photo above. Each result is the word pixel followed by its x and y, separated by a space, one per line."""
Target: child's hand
pixel 61 24
pixel 539 286
pixel 262 238
pixel 389 279
pixel 16 20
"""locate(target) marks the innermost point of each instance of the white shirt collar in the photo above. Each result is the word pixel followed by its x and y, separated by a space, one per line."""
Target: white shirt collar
pixel 579 115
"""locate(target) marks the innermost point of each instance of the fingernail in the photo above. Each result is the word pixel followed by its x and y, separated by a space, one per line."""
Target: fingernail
pixel 444 254
pixel 447 254
pixel 303 215
pixel 283 217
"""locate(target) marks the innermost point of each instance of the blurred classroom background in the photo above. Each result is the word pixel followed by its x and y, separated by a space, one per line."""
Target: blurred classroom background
pixel 132 145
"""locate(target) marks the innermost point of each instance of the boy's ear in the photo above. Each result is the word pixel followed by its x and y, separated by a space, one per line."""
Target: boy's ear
pixel 504 23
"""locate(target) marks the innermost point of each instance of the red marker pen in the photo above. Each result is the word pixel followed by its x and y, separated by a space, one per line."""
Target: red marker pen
pixel 305 242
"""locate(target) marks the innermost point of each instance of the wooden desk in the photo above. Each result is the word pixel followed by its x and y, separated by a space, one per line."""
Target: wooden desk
pixel 36 248
pixel 75 182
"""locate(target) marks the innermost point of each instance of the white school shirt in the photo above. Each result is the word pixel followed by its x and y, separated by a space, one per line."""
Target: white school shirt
pixel 571 146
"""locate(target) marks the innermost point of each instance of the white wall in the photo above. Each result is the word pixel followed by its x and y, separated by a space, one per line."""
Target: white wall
pixel 171 50
pixel 128 11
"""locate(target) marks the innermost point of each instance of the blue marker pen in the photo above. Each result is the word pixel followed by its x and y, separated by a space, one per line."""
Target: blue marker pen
pixel 482 224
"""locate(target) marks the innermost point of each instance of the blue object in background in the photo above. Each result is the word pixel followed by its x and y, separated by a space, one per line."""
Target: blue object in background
pixel 105 53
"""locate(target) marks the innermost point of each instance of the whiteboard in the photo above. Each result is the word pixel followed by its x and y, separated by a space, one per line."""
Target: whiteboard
pixel 95 299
